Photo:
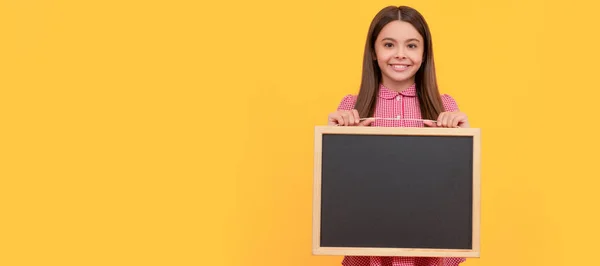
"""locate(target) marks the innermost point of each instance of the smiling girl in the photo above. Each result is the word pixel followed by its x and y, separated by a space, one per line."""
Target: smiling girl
pixel 399 85
pixel 398 78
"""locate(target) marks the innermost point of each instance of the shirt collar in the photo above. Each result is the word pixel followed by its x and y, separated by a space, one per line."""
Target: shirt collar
pixel 386 93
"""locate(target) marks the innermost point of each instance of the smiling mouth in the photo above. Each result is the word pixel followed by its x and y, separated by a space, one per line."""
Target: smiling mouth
pixel 400 67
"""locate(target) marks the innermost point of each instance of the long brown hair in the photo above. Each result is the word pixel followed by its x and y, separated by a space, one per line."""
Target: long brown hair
pixel 428 94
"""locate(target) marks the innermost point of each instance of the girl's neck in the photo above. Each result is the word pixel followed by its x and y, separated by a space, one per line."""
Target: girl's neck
pixel 398 86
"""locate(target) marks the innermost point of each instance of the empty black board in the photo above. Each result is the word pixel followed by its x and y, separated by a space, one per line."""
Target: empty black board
pixel 397 191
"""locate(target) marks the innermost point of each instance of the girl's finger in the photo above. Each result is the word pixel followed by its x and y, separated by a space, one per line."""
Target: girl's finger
pixel 442 119
pixel 356 116
pixel 448 120
pixel 453 122
pixel 428 123
pixel 460 119
pixel 334 119
pixel 463 118
pixel 366 122
pixel 350 118
pixel 343 116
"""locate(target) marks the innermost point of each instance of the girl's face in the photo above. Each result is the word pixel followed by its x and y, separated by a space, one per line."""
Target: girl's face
pixel 399 52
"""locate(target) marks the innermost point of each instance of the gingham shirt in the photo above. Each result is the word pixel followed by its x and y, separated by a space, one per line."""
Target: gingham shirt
pixel 404 105
pixel 398 104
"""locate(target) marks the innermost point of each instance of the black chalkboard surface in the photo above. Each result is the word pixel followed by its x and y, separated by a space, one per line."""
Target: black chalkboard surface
pixel 396 191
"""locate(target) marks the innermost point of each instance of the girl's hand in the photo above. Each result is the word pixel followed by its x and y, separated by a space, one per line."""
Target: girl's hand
pixel 347 118
pixel 450 119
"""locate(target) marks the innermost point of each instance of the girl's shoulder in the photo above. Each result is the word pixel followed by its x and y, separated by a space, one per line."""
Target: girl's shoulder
pixel 348 102
pixel 450 104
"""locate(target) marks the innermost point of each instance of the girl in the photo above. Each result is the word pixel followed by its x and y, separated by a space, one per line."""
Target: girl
pixel 399 84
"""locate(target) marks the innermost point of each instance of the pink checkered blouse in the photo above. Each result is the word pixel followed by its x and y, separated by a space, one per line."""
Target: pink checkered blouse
pixel 403 105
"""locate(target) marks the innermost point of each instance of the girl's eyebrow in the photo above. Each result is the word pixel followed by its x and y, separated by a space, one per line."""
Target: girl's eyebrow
pixel 393 40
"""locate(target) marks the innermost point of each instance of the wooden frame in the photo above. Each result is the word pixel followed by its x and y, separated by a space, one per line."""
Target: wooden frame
pixel 413 131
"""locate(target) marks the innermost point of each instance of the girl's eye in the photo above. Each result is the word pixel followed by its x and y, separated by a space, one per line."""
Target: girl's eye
pixel 412 46
pixel 388 44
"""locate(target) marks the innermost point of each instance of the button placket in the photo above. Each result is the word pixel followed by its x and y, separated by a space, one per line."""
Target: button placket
pixel 399 98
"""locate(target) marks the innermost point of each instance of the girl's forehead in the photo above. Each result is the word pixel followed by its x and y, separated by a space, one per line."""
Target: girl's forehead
pixel 399 30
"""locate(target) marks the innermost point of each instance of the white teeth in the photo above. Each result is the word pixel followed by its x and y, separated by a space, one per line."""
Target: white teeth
pixel 399 66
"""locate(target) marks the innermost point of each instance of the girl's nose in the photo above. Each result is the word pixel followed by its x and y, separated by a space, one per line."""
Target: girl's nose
pixel 400 54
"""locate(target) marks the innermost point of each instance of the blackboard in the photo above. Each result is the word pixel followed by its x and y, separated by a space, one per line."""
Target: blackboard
pixel 396 191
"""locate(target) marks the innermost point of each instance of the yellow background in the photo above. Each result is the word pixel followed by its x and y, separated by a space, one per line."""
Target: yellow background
pixel 180 132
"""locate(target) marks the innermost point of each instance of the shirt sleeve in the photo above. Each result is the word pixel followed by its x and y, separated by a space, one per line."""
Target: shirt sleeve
pixel 347 103
pixel 450 104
